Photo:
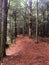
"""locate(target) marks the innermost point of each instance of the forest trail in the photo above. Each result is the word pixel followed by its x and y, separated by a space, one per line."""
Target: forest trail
pixel 26 52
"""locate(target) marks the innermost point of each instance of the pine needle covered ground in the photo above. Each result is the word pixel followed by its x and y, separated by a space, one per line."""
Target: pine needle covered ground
pixel 26 52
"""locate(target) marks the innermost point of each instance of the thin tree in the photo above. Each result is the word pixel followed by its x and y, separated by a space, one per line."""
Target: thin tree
pixel 30 11
pixel 14 17
pixel 0 24
pixel 37 24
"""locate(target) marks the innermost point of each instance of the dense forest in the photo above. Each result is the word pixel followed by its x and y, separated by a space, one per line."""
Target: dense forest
pixel 22 17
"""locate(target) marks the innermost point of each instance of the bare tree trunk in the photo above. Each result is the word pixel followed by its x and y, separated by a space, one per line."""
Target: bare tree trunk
pixel 15 27
pixel 30 15
pixel 29 27
pixel 0 25
pixel 4 27
pixel 37 24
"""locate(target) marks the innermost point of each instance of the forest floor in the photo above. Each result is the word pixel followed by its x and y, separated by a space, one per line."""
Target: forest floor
pixel 27 52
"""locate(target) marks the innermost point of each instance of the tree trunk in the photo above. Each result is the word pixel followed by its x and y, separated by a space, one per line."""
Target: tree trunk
pixel 4 27
pixel 29 28
pixel 15 28
pixel 37 24
pixel 30 23
pixel 0 24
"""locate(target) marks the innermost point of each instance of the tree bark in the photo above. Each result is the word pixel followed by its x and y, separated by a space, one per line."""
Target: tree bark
pixel 0 24
pixel 4 27
pixel 37 24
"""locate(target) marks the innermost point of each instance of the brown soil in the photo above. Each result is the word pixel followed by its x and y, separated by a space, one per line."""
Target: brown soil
pixel 27 52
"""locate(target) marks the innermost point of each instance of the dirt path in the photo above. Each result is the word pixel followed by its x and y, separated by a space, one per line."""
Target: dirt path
pixel 26 52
